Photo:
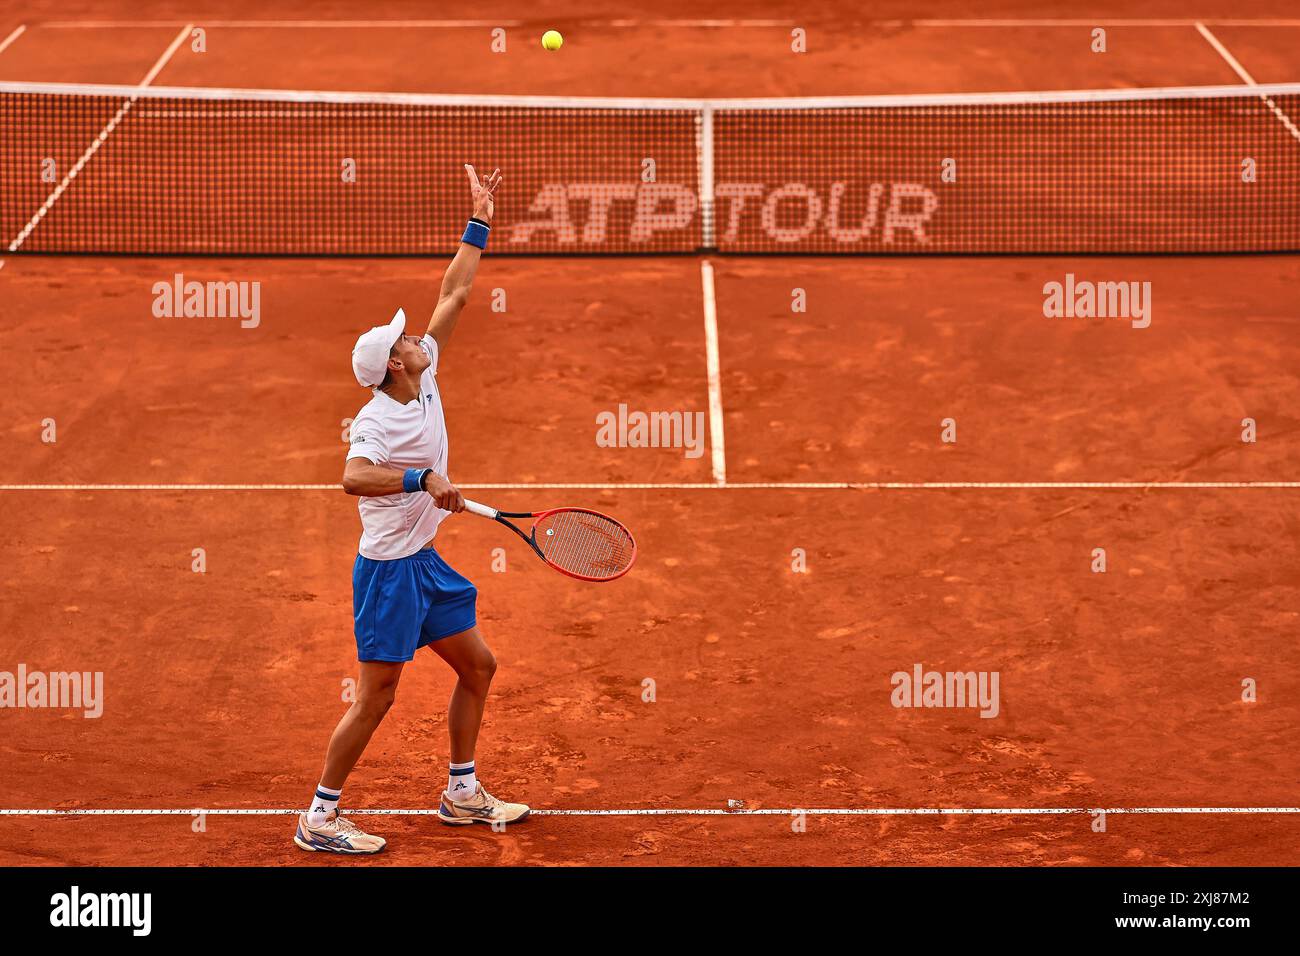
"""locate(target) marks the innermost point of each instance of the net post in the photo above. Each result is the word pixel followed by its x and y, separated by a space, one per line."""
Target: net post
pixel 704 145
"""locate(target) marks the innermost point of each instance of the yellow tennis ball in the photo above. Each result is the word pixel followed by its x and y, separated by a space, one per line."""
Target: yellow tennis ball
pixel 552 40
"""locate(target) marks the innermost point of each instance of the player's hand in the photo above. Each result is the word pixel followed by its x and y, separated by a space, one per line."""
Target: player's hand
pixel 483 192
pixel 444 494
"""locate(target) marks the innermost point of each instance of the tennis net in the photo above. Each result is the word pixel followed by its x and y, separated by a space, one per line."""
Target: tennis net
pixel 100 169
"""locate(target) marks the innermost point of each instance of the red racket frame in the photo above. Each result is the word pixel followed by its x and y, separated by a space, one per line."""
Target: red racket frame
pixel 486 511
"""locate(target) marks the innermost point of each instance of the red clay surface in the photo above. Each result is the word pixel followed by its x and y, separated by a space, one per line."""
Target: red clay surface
pixel 895 347
pixel 1120 689
pixel 579 337
pixel 618 54
pixel 607 61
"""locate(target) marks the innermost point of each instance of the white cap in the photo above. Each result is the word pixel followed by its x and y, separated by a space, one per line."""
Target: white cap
pixel 370 354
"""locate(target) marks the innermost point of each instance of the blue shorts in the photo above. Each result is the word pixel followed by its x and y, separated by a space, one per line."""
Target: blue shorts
pixel 404 604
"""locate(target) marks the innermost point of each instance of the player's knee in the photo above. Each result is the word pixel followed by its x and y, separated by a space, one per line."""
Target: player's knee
pixel 480 670
pixel 376 703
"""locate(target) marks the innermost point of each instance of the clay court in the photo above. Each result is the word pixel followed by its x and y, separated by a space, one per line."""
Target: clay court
pixel 825 539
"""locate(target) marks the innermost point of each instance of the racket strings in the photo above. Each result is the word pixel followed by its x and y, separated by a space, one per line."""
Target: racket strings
pixel 586 544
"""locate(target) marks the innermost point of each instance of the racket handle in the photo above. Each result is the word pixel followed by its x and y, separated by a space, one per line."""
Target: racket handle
pixel 483 511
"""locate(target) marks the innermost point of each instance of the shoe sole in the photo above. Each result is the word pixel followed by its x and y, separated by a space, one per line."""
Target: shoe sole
pixel 462 821
pixel 328 849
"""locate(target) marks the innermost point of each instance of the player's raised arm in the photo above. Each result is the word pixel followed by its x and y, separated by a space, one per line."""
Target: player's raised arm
pixel 460 274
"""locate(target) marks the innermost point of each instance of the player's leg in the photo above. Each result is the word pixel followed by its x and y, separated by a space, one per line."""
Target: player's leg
pixel 474 664
pixel 376 691
pixel 321 827
pixel 389 606
pixel 465 800
pixel 451 629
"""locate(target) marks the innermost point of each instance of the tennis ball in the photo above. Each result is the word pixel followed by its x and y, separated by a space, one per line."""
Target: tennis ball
pixel 552 40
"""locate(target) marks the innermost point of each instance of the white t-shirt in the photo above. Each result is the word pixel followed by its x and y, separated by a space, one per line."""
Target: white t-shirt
pixel 402 436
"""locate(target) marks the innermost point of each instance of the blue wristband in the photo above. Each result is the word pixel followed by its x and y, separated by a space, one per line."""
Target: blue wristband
pixel 476 233
pixel 413 480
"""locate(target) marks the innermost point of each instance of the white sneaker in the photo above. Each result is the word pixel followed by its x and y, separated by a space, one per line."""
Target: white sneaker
pixel 336 835
pixel 480 808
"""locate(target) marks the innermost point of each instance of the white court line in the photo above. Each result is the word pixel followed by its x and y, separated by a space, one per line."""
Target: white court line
pixel 684 812
pixel 285 24
pixel 93 148
pixel 688 24
pixel 694 23
pixel 167 55
pixel 1096 22
pixel 8 41
pixel 1222 50
pixel 714 486
pixel 1247 79
pixel 213 94
pixel 1049 22
pixel 714 373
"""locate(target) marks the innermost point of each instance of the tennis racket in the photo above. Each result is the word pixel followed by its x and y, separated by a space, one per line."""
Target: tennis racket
pixel 583 544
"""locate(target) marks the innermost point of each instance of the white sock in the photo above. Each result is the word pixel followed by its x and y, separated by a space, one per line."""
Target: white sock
pixel 461 782
pixel 322 803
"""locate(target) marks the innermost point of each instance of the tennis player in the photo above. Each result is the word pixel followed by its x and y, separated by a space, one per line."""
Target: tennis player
pixel 404 595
